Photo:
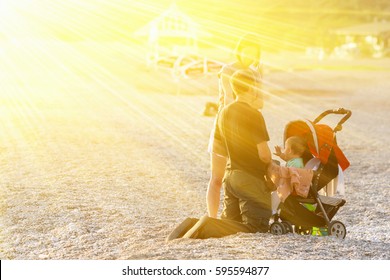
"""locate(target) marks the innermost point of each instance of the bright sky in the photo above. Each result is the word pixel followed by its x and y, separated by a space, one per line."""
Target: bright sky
pixel 84 18
pixel 113 19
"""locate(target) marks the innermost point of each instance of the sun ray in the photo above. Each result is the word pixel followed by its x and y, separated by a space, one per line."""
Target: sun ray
pixel 64 50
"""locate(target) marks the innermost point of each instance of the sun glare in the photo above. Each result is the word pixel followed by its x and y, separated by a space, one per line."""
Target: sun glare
pixel 10 8
pixel 77 55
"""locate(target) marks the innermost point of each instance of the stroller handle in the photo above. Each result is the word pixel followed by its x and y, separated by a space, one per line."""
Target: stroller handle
pixel 339 111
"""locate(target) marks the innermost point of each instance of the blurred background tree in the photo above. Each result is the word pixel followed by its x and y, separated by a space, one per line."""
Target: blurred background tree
pixel 283 24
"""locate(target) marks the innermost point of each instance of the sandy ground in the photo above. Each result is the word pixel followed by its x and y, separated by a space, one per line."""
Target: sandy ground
pixel 93 166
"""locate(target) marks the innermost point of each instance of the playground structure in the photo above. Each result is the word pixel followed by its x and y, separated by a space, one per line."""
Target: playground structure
pixel 172 44
pixel 172 33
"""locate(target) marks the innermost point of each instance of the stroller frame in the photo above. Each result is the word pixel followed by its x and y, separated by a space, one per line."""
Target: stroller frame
pixel 327 207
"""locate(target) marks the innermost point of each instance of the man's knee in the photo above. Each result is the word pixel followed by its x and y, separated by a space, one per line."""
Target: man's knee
pixel 197 230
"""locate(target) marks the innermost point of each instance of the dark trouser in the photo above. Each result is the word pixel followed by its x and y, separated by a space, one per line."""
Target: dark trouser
pixel 207 227
pixel 247 200
pixel 246 208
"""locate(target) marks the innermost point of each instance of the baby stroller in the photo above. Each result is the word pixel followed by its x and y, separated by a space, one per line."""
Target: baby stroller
pixel 327 162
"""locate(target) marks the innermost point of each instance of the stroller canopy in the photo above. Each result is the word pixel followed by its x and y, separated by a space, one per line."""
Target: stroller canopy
pixel 320 138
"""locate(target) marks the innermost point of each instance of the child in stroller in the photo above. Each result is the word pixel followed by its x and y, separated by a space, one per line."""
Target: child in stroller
pixel 296 152
pixel 327 162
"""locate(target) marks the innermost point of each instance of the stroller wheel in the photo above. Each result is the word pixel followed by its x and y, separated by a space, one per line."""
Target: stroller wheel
pixel 277 228
pixel 288 226
pixel 337 229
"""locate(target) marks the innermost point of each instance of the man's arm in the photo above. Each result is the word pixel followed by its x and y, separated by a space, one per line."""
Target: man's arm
pixel 264 152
